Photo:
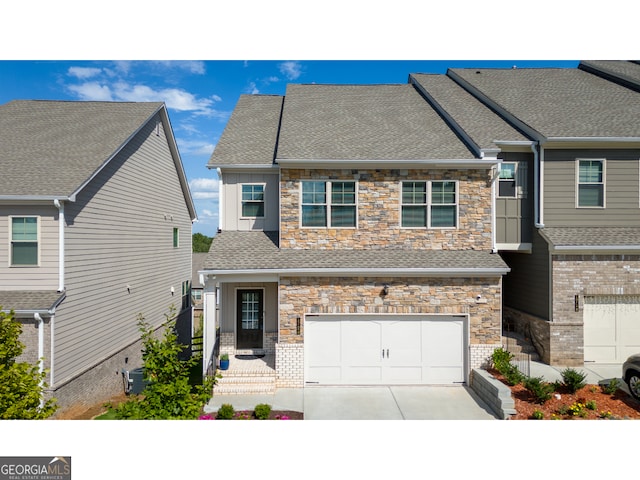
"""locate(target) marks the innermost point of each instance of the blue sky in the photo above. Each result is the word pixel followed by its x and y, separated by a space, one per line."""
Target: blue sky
pixel 200 95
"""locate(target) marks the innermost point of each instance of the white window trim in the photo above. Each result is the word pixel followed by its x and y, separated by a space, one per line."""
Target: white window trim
pixel 328 184
pixel 604 183
pixel 264 200
pixel 428 205
pixel 38 240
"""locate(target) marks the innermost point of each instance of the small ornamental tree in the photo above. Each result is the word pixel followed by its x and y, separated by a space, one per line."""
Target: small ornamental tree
pixel 21 383
pixel 169 393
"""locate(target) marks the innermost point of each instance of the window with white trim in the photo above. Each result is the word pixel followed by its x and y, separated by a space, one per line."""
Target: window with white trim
pixel 24 241
pixel 590 183
pixel 432 204
pixel 253 200
pixel 329 204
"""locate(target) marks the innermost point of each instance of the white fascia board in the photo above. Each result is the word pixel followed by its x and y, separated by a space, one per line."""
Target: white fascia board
pixel 243 167
pixel 37 198
pixel 250 274
pixel 395 164
pixel 595 249
pixel 592 139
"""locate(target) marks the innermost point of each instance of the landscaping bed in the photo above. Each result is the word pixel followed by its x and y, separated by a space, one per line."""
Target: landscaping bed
pixel 590 402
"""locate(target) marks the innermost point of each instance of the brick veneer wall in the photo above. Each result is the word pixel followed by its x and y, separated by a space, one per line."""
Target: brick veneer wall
pixel 378 199
pixel 302 295
pixel 561 341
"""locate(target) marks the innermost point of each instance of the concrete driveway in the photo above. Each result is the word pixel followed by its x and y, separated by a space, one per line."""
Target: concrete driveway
pixel 369 403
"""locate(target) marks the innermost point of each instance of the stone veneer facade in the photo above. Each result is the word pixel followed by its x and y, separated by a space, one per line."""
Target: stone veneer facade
pixel 361 295
pixel 378 203
pixel 561 341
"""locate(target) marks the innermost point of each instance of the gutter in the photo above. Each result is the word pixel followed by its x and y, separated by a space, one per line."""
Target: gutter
pixel 351 272
pixel 40 321
pixel 538 155
pixel 388 163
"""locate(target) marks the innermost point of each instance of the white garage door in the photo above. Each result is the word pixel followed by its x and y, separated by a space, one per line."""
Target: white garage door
pixel 611 327
pixel 378 350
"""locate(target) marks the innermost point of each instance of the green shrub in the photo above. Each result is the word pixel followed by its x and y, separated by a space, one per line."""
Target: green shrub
pixel 539 388
pixel 611 387
pixel 501 359
pixel 262 411
pixel 573 379
pixel 591 405
pixel 537 415
pixel 225 412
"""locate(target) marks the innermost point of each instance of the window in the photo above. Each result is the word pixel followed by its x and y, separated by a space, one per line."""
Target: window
pixel 507 180
pixel 176 237
pixel 186 294
pixel 432 204
pixel 196 295
pixel 24 241
pixel 337 208
pixel 253 201
pixel 590 183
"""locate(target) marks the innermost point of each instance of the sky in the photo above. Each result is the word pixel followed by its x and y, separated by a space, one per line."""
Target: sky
pixel 200 95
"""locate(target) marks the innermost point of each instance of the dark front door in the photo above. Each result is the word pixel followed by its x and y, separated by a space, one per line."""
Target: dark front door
pixel 250 319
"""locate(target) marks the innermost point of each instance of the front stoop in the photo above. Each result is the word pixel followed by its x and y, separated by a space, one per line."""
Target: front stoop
pixel 246 377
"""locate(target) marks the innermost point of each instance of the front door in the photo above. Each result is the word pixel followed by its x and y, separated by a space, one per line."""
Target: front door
pixel 250 319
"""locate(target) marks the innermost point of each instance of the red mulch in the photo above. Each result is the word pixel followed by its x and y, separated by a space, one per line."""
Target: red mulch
pixel 619 405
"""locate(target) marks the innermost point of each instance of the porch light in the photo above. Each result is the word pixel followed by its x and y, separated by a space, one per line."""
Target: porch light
pixel 385 290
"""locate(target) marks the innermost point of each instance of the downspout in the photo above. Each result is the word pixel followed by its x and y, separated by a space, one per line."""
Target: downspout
pixel 220 200
pixel 536 148
pixel 494 175
pixel 60 206
pixel 40 321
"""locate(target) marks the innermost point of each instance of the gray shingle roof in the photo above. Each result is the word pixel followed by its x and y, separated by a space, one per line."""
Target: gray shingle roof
pixel 197 263
pixel 364 122
pixel 477 120
pixel 242 251
pixel 31 300
pixel 593 236
pixel 50 148
pixel 560 102
pixel 251 133
pixel 618 70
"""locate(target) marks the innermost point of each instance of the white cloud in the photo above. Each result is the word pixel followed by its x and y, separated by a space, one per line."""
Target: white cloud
pixel 84 72
pixel 291 70
pixel 92 91
pixel 252 88
pixel 204 188
pixel 195 147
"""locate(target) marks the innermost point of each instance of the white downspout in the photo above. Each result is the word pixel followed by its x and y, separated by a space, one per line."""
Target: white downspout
pixel 494 174
pixel 537 192
pixel 61 221
pixel 221 225
pixel 40 321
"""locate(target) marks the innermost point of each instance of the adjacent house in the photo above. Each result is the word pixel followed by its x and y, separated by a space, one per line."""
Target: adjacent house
pixel 574 285
pixel 356 242
pixel 96 216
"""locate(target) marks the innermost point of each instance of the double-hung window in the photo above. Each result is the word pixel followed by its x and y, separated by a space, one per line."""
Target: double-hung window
pixel 329 204
pixel 432 204
pixel 253 201
pixel 590 183
pixel 24 241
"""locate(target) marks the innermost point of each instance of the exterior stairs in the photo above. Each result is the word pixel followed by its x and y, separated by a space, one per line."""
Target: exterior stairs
pixel 247 375
pixel 518 344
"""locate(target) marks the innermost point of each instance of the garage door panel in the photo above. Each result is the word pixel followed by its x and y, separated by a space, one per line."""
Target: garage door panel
pixel 611 327
pixel 385 350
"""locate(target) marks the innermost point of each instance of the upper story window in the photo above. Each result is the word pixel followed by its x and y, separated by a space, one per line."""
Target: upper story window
pixel 253 201
pixel 329 204
pixel 512 181
pixel 590 183
pixel 432 204
pixel 186 294
pixel 24 241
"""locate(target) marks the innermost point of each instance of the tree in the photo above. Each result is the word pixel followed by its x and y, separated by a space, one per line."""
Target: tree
pixel 201 243
pixel 21 384
pixel 169 393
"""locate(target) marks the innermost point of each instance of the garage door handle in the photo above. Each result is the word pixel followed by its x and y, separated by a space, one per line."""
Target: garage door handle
pixel 387 353
pixel 383 353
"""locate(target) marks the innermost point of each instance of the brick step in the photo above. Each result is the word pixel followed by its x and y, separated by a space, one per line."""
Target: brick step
pixel 246 380
pixel 243 390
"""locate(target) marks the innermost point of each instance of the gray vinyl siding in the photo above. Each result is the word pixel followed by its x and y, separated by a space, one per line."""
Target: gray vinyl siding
pixel 514 216
pixel 526 287
pixel 119 234
pixel 622 191
pixel 232 191
pixel 228 305
pixel 45 275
